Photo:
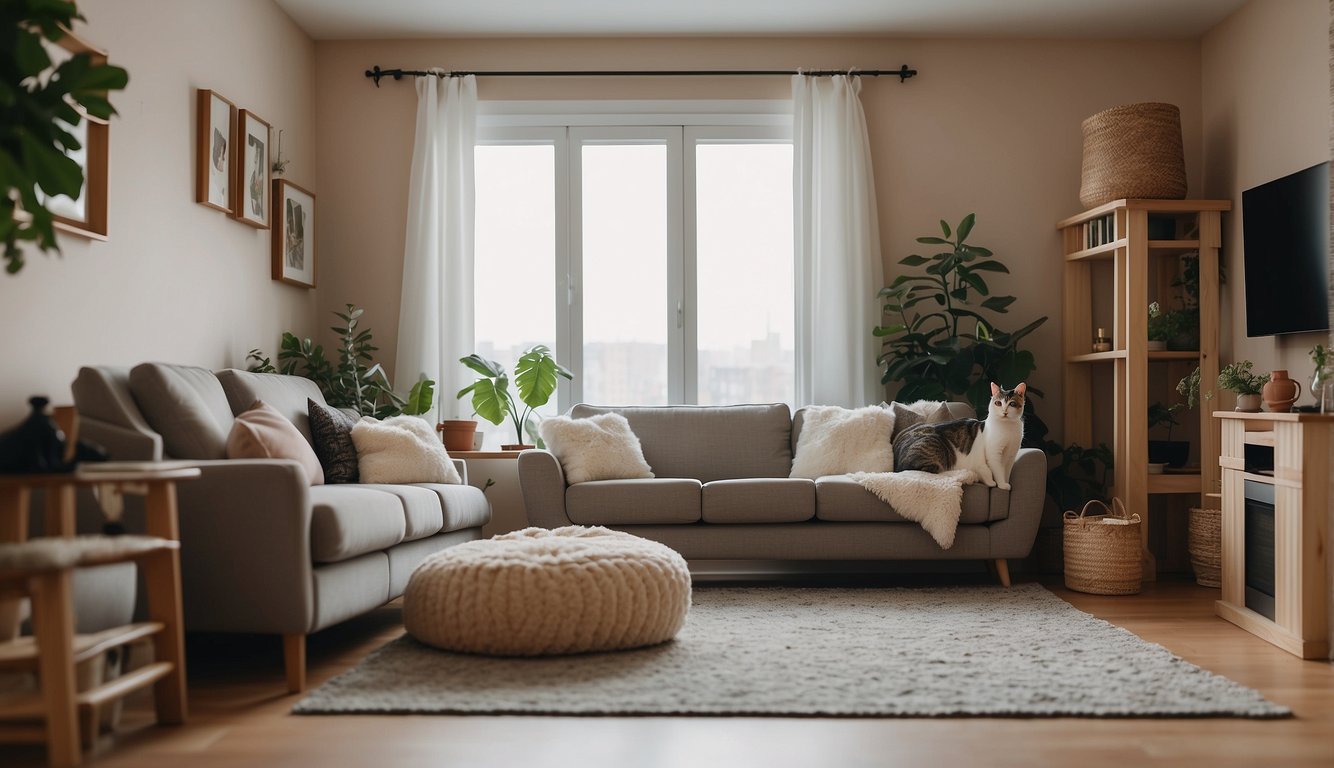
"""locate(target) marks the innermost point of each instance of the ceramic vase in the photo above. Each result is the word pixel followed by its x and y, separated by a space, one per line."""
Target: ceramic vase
pixel 1280 392
pixel 1322 389
pixel 1248 403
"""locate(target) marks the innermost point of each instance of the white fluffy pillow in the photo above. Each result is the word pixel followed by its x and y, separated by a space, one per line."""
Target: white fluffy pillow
pixel 601 447
pixel 401 449
pixel 836 441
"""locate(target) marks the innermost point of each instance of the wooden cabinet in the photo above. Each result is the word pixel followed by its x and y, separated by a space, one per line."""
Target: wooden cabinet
pixel 1277 465
pixel 1117 258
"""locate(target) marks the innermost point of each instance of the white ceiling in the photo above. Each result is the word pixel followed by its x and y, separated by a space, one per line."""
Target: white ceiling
pixel 1138 19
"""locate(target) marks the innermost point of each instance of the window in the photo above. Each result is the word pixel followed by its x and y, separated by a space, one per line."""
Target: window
pixel 656 260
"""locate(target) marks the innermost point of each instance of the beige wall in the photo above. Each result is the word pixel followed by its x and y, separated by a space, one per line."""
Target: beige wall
pixel 987 127
pixel 1266 114
pixel 176 281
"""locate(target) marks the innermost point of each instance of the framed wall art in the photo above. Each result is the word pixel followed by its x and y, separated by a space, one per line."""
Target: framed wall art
pixel 215 124
pixel 252 178
pixel 85 215
pixel 293 234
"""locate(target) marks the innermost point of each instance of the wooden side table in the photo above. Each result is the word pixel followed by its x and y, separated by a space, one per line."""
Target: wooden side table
pixel 162 572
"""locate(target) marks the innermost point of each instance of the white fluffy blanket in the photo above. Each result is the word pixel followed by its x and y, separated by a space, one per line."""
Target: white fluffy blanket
pixel 933 500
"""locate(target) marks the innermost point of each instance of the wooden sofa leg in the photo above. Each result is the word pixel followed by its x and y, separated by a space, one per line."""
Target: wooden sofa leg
pixel 1003 571
pixel 294 660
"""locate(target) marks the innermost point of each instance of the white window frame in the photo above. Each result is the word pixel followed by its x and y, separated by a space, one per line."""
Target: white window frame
pixel 681 125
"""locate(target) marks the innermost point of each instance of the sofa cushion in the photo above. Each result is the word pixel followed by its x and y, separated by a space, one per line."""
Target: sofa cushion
pixel 709 442
pixel 331 435
pixel 838 440
pixel 421 509
pixel 955 410
pixel 758 500
pixel 634 502
pixel 839 498
pixel 186 405
pixel 263 433
pixel 601 447
pixel 461 506
pixel 287 394
pixel 401 449
pixel 349 520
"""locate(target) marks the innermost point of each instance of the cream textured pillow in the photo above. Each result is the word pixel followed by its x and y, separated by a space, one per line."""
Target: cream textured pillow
pixel 599 447
pixel 401 449
pixel 264 433
pixel 836 441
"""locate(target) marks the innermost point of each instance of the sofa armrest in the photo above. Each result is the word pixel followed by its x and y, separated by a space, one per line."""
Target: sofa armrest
pixel 120 443
pixel 543 484
pixel 1013 537
pixel 462 467
pixel 245 547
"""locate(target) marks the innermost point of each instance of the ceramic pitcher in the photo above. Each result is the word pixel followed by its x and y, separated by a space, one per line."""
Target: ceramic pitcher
pixel 1280 392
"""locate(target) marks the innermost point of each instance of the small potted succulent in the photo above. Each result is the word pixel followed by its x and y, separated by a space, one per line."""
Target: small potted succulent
pixel 1239 378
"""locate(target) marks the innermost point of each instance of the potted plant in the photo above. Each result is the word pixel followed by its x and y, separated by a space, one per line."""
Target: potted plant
pixel 535 375
pixel 1238 378
pixel 354 382
pixel 39 115
pixel 1159 328
pixel 457 434
pixel 1322 380
pixel 939 342
pixel 1173 453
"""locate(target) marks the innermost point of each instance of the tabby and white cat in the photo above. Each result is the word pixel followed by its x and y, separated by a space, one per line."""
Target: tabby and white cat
pixel 986 447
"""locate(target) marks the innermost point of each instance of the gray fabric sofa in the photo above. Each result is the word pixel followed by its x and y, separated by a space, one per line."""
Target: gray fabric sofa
pixel 721 491
pixel 262 550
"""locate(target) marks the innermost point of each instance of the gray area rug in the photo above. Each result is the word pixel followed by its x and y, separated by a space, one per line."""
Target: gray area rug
pixel 983 651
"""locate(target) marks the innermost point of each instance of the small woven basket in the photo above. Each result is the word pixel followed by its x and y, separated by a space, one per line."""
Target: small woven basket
pixel 1133 151
pixel 1102 552
pixel 1204 541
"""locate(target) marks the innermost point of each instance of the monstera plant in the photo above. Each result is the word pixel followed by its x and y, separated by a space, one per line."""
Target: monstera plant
pixel 40 107
pixel 535 378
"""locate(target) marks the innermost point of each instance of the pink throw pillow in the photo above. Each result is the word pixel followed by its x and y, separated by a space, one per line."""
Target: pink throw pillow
pixel 264 433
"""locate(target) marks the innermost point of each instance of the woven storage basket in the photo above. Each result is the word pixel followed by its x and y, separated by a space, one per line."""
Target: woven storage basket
pixel 1133 151
pixel 1102 552
pixel 1204 541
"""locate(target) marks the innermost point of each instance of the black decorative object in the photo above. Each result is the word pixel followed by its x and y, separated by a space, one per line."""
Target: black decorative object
pixel 37 445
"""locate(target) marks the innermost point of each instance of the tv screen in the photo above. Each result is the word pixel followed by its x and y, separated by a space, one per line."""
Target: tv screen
pixel 1285 230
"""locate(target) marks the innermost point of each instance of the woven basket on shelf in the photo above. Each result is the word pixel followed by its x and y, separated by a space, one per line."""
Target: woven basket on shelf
pixel 1204 541
pixel 1133 151
pixel 1102 552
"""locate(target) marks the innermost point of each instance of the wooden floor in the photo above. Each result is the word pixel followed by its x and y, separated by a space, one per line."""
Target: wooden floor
pixel 239 716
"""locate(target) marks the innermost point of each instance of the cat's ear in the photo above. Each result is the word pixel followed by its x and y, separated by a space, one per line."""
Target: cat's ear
pixel 995 389
pixel 1019 390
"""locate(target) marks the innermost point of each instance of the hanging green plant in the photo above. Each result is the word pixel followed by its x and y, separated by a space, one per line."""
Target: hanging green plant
pixel 39 109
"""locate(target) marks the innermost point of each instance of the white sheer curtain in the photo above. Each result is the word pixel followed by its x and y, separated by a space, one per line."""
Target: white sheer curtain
pixel 435 323
pixel 837 234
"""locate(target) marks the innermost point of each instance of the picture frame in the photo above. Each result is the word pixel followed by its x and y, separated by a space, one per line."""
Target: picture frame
pixel 85 215
pixel 293 234
pixel 215 131
pixel 252 180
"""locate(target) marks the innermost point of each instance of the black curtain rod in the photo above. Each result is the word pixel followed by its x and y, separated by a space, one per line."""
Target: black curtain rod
pixel 903 73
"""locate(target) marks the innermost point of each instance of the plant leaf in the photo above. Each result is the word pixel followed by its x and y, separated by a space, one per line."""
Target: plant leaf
pixel 966 226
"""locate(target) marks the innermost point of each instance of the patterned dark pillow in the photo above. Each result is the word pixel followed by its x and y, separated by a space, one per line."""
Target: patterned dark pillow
pixel 331 431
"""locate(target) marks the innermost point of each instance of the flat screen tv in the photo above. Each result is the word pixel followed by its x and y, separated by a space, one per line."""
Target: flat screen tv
pixel 1285 231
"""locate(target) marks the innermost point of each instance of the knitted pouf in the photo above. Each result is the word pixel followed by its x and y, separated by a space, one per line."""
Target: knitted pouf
pixel 538 591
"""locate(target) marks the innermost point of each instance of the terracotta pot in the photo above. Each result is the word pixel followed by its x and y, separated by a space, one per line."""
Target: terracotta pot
pixel 1280 392
pixel 1248 403
pixel 457 433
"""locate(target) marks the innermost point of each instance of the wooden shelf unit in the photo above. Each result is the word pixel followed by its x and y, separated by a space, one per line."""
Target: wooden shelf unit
pixel 1142 271
pixel 1301 443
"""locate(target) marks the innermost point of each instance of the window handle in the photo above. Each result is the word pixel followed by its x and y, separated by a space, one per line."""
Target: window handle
pixel 680 315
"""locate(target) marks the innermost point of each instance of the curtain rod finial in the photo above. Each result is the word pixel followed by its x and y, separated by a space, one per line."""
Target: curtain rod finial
pixel 904 73
pixel 375 74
